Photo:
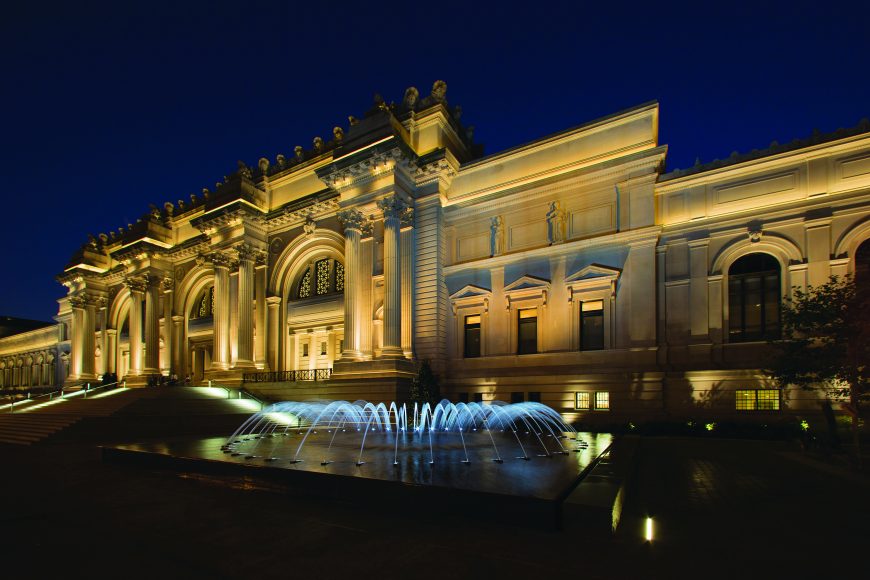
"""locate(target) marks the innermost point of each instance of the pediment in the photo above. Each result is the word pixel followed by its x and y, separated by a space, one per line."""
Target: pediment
pixel 470 291
pixel 527 283
pixel 594 272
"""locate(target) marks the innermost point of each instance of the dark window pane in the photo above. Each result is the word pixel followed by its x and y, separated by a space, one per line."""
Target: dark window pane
pixel 463 397
pixel 535 396
pixel 478 397
pixel 527 333
pixel 754 296
pixel 517 397
pixel 591 328
pixel 472 336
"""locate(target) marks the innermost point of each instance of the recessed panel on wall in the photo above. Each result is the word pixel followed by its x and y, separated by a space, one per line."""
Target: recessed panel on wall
pixel 527 235
pixel 591 220
pixel 675 207
pixel 854 166
pixel 763 191
pixel 472 247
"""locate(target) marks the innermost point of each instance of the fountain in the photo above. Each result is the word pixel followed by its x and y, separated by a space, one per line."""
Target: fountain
pixel 536 423
pixel 516 462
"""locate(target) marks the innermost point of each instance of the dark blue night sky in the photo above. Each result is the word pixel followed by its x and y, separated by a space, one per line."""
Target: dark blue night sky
pixel 108 108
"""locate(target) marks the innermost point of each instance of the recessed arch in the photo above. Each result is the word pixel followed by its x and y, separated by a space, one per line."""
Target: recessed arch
pixel 851 240
pixel 783 249
pixel 298 254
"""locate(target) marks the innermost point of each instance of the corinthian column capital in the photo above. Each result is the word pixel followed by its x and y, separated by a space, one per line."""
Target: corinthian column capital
pixel 393 206
pixel 352 219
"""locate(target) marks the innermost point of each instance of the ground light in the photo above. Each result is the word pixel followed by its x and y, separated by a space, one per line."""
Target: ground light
pixel 648 530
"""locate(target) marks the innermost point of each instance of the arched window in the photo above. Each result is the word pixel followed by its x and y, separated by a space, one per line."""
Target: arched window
pixel 322 277
pixel 203 306
pixel 754 296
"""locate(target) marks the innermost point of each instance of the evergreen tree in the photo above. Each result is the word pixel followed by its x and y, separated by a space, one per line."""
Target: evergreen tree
pixel 424 386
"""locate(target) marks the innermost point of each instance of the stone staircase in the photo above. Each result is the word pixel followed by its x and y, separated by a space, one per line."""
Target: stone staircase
pixel 34 421
pixel 126 412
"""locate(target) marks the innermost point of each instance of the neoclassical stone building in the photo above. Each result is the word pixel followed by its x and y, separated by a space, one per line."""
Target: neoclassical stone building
pixel 569 270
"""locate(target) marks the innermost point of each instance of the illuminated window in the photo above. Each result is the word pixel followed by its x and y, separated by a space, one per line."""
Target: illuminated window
pixel 339 277
pixel 592 325
pixel 602 401
pixel 322 270
pixel 527 331
pixel 321 278
pixel 472 336
pixel 204 305
pixel 757 400
pixel 305 285
pixel 322 349
pixel 754 294
pixel 582 401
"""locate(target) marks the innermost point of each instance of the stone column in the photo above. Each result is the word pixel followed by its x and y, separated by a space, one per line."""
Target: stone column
pixel 75 350
pixel 260 311
pixel 407 262
pixel 168 338
pixel 137 292
pixel 393 208
pixel 178 349
pixel 221 354
pixel 245 340
pixel 354 222
pixel 274 333
pixel 234 315
pixel 111 352
pixel 152 326
pixel 104 341
pixel 89 330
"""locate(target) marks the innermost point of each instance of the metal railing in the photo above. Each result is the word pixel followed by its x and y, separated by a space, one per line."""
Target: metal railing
pixel 238 393
pixel 63 392
pixel 288 376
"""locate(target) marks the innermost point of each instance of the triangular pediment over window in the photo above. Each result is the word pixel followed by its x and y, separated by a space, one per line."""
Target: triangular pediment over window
pixel 470 291
pixel 527 283
pixel 594 272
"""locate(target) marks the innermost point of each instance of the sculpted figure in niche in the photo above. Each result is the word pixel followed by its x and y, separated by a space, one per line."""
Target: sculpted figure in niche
pixel 555 224
pixel 496 236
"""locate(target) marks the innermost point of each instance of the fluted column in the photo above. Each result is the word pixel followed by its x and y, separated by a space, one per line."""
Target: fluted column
pixel 272 354
pixel 393 208
pixel 111 350
pixel 260 314
pixel 77 336
pixel 221 354
pixel 168 339
pixel 89 330
pixel 245 352
pixel 137 292
pixel 152 326
pixel 353 221
pixel 178 361
pixel 102 315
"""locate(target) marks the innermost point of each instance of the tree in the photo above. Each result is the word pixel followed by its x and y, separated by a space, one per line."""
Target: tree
pixel 825 344
pixel 424 386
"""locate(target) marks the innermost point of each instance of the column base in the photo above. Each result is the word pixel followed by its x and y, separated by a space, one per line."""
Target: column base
pixel 392 353
pixel 379 380
pixel 247 366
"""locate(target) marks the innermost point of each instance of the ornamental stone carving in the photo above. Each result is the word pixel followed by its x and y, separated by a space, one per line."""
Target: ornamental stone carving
pixel 755 235
pixel 338 133
pixel 392 206
pixel 555 224
pixel 411 95
pixel 309 226
pixel 496 236
pixel 247 251
pixel 439 91
pixel 352 219
pixel 138 284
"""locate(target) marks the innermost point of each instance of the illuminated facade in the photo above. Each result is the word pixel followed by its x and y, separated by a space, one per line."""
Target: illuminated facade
pixel 569 270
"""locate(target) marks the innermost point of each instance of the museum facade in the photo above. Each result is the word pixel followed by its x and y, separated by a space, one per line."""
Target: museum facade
pixel 571 270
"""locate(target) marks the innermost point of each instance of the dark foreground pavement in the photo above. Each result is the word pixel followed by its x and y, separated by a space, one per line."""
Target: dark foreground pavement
pixel 722 509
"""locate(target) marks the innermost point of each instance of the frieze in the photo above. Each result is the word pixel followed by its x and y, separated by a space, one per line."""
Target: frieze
pixel 367 169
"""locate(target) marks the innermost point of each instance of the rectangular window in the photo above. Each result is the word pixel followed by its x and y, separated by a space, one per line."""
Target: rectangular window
pixel 305 349
pixel 527 331
pixel 472 336
pixel 463 397
pixel 478 397
pixel 602 401
pixel 340 346
pixel 322 349
pixel 582 401
pixel 518 397
pixel 592 325
pixel 535 396
pixel 757 400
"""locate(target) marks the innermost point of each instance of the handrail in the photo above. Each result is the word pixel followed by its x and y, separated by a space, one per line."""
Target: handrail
pixel 63 392
pixel 240 393
pixel 315 375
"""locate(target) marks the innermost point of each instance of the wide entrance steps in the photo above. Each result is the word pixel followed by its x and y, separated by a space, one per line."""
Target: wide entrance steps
pixel 125 414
